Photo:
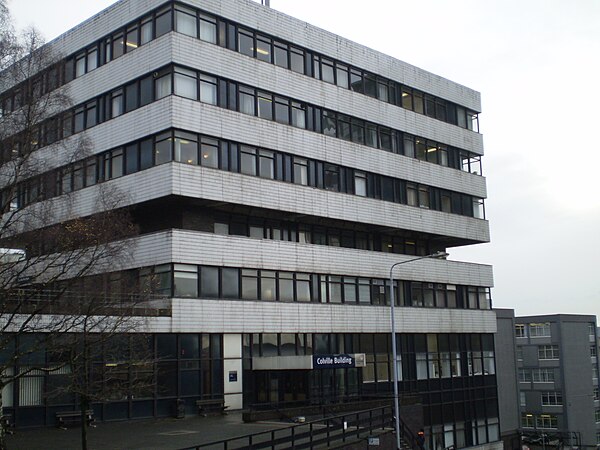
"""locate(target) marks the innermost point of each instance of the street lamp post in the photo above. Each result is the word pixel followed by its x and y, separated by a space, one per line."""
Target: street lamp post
pixel 437 255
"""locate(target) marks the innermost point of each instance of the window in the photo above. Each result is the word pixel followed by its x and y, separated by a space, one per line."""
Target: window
pixel 131 39
pixel 163 148
pixel 186 280
pixel 186 148
pixel 331 179
pixel 185 21
pixel 208 89
pixel 247 100
pixel 597 415
pixel 209 152
pixel 265 106
pixel 163 22
pixel 543 375
pixel 162 85
pixel 539 329
pixel 524 375
pixel 593 351
pixel 249 284
pixel 230 283
pixel 595 394
pixel 522 399
pixel 527 420
pixel 268 285
pixel 298 115
pixel 281 55
pixel 209 282
pixel 248 160
pixel 546 421
pixel 520 330
pixel 300 171
pixel 185 83
pixel 263 48
pixel 297 60
pixel 208 29
pixel 360 184
pixel 266 164
pixel 116 104
pixel 552 399
pixel 519 353
pixel 548 352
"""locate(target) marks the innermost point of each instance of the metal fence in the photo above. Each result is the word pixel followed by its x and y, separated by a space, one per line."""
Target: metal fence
pixel 319 433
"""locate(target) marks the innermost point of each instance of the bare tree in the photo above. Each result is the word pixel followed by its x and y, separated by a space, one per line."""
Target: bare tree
pixel 48 253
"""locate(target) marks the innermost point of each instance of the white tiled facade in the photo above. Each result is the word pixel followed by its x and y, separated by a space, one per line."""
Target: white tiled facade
pixel 192 186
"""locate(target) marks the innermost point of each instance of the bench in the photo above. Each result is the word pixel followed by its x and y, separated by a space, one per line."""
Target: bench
pixel 62 417
pixel 211 405
pixel 6 423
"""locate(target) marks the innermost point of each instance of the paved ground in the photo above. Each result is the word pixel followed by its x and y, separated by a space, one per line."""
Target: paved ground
pixel 156 434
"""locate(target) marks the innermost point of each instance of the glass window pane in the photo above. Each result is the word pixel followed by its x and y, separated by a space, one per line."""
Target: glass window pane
pixel 249 284
pixel 246 43
pixel 247 101
pixel 185 83
pixel 186 148
pixel 208 29
pixel 186 280
pixel 248 160
pixel 297 60
pixel 92 60
pixel 163 86
pixel 208 89
pixel 281 55
pixel 230 283
pixel 209 282
pixel 267 286
pixel 163 150
pixel 210 153
pixel 185 21
pixel 146 32
pixel 163 22
pixel 265 106
pixel 263 49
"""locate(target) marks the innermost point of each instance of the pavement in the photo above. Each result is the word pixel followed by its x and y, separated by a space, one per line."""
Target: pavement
pixel 151 434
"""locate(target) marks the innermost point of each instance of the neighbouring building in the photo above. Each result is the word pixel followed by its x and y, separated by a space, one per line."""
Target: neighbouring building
pixel 276 172
pixel 506 360
pixel 557 372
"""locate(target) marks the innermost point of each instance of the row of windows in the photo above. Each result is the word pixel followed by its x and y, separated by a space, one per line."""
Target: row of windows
pixel 211 29
pixel 192 281
pixel 544 352
pixel 272 50
pixel 547 421
pixel 462 434
pixel 142 367
pixel 191 148
pixel 420 356
pixel 319 235
pixel 209 89
pixel 544 375
pixel 267 285
pixel 535 330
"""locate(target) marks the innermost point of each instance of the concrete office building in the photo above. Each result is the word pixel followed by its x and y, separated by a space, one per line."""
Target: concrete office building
pixel 276 172
pixel 558 378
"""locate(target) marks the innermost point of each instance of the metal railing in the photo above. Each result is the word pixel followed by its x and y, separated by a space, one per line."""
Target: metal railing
pixel 310 435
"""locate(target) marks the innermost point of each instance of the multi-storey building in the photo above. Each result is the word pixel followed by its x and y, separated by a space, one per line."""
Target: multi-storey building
pixel 276 172
pixel 558 378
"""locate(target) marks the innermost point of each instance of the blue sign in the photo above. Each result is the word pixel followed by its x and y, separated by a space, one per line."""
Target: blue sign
pixel 332 361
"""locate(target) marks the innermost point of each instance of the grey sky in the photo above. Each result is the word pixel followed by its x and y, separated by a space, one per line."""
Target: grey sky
pixel 536 63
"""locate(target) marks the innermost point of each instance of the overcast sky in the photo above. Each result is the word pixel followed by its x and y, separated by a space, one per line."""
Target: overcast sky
pixel 537 65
